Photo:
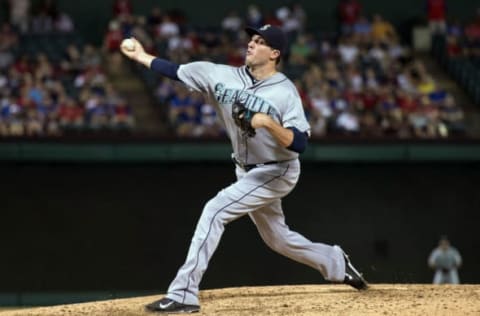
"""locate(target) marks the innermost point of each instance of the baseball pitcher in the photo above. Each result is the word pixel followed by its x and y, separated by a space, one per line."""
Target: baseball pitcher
pixel 263 116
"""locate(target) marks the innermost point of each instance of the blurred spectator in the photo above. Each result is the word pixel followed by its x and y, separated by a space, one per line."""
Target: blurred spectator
pixel 98 112
pixel 452 116
pixel 272 19
pixel 347 121
pixel 90 78
pixel 42 23
pixel 20 14
pixel 232 22
pixel 13 117
pixel 70 115
pixel 292 22
pixel 127 23
pixel 299 14
pixel 362 30
pixel 425 84
pixel 406 101
pixel 33 124
pixel 332 75
pixel 348 13
pixel 44 19
pixel 304 97
pixel 179 44
pixel 453 47
pixel 64 23
pixel 167 28
pixel 182 112
pixel 371 81
pixel 122 8
pixel 71 62
pixel 354 79
pixel 282 14
pixel 91 57
pixel 445 260
pixel 113 38
pixel 3 117
pixel 472 37
pixel 178 16
pixel 122 115
pixel 382 31
pixel 437 15
pixel 154 19
pixel 300 51
pixel 139 31
pixel 348 50
pixel 455 28
pixel 405 82
pixel 8 37
pixel 396 51
pixel 426 120
pixel 207 124
pixel 8 42
pixel 236 56
pixel 254 16
pixel 165 90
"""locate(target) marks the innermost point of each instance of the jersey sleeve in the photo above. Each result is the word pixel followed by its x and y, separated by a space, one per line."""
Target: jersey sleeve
pixel 294 115
pixel 197 75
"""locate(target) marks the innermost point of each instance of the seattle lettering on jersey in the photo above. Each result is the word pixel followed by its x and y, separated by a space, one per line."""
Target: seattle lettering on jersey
pixel 252 102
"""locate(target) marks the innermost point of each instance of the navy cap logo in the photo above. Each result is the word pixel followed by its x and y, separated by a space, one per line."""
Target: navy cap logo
pixel 265 27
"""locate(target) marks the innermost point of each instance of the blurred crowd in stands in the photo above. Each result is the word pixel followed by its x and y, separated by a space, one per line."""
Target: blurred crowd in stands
pixel 361 80
pixel 50 84
pixel 456 47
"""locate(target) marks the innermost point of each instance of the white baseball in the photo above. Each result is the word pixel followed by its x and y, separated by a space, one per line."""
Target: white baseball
pixel 128 44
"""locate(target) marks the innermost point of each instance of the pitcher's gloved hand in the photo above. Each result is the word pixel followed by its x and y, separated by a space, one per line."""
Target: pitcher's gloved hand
pixel 242 117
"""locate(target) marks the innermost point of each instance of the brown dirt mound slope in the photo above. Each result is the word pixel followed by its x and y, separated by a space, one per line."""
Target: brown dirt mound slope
pixel 380 299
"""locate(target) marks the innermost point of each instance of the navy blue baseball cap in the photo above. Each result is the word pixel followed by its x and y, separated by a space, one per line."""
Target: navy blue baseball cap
pixel 273 35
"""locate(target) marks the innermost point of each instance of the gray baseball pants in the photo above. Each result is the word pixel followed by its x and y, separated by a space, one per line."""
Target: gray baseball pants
pixel 257 193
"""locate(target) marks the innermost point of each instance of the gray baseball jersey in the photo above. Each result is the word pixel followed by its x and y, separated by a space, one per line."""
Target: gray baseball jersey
pixel 445 262
pixel 275 96
pixel 257 192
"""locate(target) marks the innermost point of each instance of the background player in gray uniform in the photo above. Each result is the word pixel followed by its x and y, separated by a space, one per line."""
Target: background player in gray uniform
pixel 263 115
pixel 445 260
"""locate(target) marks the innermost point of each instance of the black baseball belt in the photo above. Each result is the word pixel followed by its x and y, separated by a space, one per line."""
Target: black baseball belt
pixel 256 165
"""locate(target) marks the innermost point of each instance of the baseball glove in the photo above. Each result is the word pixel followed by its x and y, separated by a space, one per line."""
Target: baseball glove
pixel 242 117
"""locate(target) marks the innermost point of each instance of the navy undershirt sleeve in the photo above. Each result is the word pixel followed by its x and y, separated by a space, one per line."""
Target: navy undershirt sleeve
pixel 299 143
pixel 165 68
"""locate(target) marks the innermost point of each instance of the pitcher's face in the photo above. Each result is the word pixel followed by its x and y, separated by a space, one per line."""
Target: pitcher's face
pixel 259 53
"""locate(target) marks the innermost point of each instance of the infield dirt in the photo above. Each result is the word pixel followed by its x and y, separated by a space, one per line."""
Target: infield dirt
pixel 380 299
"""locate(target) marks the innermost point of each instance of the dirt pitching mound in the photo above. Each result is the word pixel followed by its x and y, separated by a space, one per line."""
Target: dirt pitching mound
pixel 380 299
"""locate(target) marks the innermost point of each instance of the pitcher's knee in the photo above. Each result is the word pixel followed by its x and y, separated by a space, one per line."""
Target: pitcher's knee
pixel 217 212
pixel 211 212
pixel 277 243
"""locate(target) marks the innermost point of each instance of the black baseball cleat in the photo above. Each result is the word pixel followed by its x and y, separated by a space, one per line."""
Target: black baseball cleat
pixel 166 305
pixel 352 276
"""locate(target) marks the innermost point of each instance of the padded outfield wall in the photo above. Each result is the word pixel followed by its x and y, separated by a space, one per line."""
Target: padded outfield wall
pixel 126 227
pixel 88 220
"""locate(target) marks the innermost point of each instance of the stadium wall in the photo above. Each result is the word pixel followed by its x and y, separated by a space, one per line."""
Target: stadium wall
pixel 103 228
